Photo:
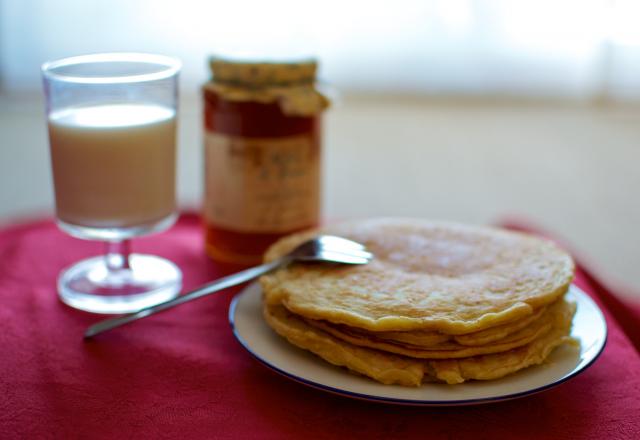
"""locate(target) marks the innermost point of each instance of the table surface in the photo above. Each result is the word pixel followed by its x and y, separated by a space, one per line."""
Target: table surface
pixel 572 169
pixel 181 374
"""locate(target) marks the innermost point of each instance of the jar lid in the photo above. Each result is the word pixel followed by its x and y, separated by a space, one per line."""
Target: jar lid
pixel 291 84
pixel 261 73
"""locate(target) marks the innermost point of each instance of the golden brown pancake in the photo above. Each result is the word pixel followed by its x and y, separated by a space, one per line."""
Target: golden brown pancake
pixel 433 276
pixel 493 334
pixel 495 366
pixel 441 341
pixel 446 350
pixel 390 368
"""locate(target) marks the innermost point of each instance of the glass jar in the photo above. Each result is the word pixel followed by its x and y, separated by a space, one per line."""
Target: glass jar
pixel 262 152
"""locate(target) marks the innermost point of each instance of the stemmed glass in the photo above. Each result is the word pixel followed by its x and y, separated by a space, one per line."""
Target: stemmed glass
pixel 112 136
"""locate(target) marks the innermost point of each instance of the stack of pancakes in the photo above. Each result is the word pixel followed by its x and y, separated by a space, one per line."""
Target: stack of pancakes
pixel 440 301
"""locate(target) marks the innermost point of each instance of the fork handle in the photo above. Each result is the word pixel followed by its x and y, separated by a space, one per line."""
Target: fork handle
pixel 207 289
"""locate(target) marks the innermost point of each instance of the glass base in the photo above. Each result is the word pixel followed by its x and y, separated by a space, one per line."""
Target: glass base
pixel 91 286
pixel 116 232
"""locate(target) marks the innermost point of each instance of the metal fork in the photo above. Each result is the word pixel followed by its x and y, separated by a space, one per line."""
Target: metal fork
pixel 322 249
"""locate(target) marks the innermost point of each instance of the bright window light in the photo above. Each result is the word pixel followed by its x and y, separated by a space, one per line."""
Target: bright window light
pixel 569 48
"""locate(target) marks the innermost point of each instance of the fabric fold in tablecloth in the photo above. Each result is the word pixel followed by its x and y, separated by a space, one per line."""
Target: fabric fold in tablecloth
pixel 181 374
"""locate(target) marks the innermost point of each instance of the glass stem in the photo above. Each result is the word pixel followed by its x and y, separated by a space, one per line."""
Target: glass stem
pixel 117 255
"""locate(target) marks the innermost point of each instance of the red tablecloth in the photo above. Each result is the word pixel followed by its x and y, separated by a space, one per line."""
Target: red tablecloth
pixel 182 375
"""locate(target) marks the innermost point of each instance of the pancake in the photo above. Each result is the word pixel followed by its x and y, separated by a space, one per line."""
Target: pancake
pixel 447 351
pixel 442 341
pixel 498 332
pixel 431 276
pixel 495 366
pixel 389 368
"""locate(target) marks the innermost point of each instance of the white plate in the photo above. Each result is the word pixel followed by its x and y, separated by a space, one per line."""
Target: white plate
pixel 589 327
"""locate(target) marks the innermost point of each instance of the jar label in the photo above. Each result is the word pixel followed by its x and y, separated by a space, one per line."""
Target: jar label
pixel 261 184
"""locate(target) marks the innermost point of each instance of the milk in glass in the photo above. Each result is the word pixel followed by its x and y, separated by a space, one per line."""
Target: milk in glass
pixel 113 165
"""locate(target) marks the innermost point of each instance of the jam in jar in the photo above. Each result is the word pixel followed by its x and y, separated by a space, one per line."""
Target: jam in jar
pixel 262 152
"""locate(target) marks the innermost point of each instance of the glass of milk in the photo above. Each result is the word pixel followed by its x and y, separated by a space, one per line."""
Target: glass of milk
pixel 112 137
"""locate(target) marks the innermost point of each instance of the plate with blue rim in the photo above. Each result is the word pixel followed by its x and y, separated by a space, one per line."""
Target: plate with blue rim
pixel 273 351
